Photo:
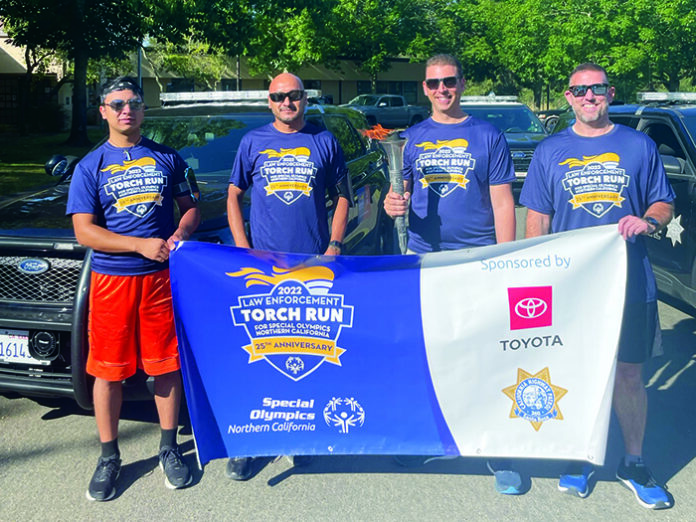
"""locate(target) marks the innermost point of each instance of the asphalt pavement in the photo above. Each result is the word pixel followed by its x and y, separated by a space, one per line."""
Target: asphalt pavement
pixel 48 452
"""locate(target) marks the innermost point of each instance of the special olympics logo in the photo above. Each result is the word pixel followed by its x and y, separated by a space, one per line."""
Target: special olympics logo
pixel 344 413
pixel 530 307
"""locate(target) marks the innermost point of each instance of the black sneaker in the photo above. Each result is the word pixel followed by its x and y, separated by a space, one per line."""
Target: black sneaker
pixel 102 487
pixel 239 468
pixel 176 472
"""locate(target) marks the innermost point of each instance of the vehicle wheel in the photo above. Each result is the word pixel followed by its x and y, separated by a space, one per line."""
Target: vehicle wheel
pixel 416 119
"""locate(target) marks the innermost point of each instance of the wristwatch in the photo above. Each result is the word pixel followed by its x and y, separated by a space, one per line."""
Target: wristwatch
pixel 652 221
pixel 336 244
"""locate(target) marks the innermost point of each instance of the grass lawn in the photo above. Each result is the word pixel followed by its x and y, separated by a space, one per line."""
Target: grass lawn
pixel 22 158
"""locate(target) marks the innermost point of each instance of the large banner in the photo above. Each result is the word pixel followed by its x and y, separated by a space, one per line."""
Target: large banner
pixel 504 351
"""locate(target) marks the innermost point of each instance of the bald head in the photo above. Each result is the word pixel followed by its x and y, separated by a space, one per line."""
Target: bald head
pixel 287 101
pixel 285 82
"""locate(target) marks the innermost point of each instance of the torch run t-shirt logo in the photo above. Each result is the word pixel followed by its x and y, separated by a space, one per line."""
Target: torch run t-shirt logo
pixel 136 186
pixel 444 165
pixel 289 174
pixel 595 183
pixel 530 307
pixel 294 326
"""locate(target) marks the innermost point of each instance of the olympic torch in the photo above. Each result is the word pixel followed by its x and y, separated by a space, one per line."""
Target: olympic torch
pixel 394 147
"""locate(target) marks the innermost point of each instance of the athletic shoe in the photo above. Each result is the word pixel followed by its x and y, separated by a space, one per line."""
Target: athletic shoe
pixel 239 468
pixel 648 492
pixel 576 481
pixel 176 472
pixel 102 487
pixel 507 480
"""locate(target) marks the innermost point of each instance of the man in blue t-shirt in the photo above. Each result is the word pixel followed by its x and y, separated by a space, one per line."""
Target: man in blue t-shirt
pixel 289 166
pixel 121 199
pixel 457 172
pixel 457 178
pixel 597 173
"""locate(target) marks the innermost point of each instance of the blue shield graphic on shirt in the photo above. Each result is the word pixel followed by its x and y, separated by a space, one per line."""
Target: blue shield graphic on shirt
pixel 290 176
pixel 445 168
pixel 136 186
pixel 597 185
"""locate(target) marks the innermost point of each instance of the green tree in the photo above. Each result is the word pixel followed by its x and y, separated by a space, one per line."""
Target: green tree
pixel 82 30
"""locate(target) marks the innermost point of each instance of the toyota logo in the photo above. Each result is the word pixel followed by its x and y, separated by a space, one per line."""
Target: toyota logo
pixel 530 307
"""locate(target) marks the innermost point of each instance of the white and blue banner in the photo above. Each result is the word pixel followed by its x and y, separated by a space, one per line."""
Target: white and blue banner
pixel 507 350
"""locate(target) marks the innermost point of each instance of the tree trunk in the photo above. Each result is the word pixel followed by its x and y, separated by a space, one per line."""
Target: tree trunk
pixel 78 129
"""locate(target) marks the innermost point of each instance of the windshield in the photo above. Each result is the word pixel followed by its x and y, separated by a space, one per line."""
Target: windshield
pixel 207 143
pixel 510 120
pixel 364 99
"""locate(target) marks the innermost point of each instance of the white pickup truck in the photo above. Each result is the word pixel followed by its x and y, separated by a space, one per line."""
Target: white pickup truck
pixel 389 110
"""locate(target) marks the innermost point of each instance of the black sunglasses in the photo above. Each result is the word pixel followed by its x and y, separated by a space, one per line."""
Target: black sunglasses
pixel 294 96
pixel 598 89
pixel 118 105
pixel 434 83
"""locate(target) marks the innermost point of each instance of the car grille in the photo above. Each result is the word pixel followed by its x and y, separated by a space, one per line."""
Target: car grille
pixel 521 159
pixel 55 286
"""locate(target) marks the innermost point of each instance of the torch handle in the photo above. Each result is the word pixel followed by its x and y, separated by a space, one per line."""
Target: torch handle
pixel 396 179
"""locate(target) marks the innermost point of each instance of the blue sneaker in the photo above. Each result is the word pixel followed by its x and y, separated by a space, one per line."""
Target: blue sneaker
pixel 507 481
pixel 648 492
pixel 576 481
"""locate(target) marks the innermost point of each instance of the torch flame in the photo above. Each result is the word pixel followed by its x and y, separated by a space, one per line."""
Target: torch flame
pixel 376 132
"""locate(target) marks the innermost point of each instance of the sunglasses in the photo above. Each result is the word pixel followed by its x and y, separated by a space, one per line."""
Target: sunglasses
pixel 599 89
pixel 294 96
pixel 434 83
pixel 119 105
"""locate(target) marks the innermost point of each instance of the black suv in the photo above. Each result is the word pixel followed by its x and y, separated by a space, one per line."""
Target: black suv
pixel 44 272
pixel 670 120
pixel 522 128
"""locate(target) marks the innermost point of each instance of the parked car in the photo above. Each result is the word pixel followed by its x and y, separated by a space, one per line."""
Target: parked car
pixel 670 120
pixel 523 130
pixel 389 110
pixel 44 272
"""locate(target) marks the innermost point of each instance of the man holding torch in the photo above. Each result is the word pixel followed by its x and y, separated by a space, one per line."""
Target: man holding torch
pixel 457 178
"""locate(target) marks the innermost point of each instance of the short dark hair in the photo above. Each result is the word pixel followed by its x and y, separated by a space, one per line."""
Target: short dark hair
pixel 589 66
pixel 446 59
pixel 122 83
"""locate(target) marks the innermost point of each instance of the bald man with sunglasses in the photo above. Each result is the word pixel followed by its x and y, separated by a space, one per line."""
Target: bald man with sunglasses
pixel 595 173
pixel 289 165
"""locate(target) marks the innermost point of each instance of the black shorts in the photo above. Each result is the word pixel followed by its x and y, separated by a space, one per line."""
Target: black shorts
pixel 638 329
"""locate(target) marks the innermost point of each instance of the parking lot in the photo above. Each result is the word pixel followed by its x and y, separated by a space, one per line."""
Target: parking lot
pixel 48 451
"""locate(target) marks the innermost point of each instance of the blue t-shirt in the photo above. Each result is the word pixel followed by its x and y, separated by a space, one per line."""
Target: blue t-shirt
pixel 131 192
pixel 451 168
pixel 583 182
pixel 289 175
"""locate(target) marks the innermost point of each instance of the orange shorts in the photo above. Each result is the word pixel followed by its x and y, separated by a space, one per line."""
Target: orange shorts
pixel 131 325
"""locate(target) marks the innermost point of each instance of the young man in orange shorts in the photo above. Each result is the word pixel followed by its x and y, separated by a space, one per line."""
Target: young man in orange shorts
pixel 121 200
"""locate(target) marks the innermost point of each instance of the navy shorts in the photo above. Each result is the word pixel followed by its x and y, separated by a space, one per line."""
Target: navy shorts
pixel 638 329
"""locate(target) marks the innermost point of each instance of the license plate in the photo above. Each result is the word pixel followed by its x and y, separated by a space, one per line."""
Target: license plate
pixel 14 348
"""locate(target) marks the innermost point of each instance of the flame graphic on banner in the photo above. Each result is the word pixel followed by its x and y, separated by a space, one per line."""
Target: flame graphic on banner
pixel 314 276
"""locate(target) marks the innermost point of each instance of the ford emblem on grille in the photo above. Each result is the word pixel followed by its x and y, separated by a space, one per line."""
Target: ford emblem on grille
pixel 517 154
pixel 33 266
